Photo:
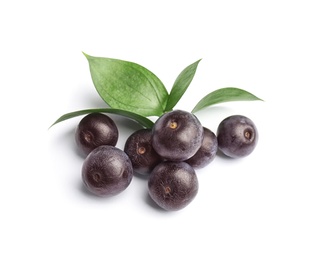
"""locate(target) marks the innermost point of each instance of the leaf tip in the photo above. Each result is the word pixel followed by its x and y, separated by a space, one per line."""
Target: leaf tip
pixel 86 55
pixel 196 62
pixel 56 122
pixel 52 125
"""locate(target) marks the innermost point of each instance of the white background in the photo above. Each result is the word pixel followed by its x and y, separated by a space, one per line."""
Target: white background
pixel 264 206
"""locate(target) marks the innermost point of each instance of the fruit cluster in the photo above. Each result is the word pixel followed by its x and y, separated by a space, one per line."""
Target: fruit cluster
pixel 168 153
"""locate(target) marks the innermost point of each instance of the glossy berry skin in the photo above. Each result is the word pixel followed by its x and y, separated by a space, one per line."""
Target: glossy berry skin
pixel 94 130
pixel 139 149
pixel 177 135
pixel 237 136
pixel 206 153
pixel 173 185
pixel 107 171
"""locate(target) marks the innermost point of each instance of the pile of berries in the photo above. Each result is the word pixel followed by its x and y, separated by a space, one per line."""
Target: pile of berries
pixel 168 153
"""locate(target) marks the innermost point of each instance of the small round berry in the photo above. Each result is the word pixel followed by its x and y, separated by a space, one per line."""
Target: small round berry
pixel 173 185
pixel 177 135
pixel 107 171
pixel 237 136
pixel 95 129
pixel 206 153
pixel 139 149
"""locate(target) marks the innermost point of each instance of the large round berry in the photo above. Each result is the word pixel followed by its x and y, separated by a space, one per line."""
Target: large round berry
pixel 177 135
pixel 107 171
pixel 139 149
pixel 237 136
pixel 173 185
pixel 206 153
pixel 94 130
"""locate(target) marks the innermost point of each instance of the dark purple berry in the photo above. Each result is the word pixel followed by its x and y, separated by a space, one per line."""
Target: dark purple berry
pixel 177 135
pixel 94 130
pixel 207 152
pixel 139 149
pixel 107 171
pixel 173 185
pixel 237 136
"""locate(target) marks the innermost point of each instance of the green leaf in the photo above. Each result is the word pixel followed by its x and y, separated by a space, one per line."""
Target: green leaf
pixel 224 95
pixel 138 118
pixel 180 85
pixel 128 86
